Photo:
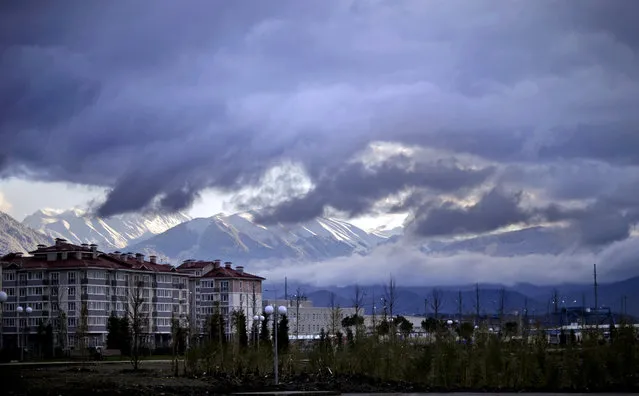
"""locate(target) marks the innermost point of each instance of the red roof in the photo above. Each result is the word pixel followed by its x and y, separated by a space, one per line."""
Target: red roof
pixel 187 265
pixel 116 261
pixel 223 272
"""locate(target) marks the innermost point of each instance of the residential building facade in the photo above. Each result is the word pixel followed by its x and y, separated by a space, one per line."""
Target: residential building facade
pixel 305 319
pixel 76 288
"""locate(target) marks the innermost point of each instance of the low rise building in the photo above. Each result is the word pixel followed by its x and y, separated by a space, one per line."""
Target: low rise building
pixel 305 319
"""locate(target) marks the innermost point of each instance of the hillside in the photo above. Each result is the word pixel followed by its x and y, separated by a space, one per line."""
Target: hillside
pixel 16 237
pixel 238 237
pixel 116 232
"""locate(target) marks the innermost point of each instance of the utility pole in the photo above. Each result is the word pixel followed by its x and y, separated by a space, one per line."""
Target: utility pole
pixel 298 298
pixel 425 307
pixel 596 287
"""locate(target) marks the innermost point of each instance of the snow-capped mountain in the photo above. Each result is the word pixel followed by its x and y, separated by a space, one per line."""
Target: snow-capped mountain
pixel 116 232
pixel 238 237
pixel 16 237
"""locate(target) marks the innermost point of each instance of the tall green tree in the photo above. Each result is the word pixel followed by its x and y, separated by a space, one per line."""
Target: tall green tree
pixel 282 334
pixel 239 323
pixel 265 336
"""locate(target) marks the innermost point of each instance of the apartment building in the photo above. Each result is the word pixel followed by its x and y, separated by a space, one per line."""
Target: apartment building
pixel 57 281
pixel 219 286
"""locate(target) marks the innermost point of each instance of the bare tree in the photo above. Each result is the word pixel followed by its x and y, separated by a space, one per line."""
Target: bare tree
pixel 390 294
pixel 358 299
pixel 336 315
pixel 502 305
pixel 460 306
pixel 477 304
pixel 60 327
pixel 436 301
pixel 358 302
pixel 82 329
pixel 138 319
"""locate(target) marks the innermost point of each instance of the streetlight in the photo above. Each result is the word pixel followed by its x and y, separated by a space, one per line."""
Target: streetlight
pixel 20 310
pixel 3 299
pixel 270 310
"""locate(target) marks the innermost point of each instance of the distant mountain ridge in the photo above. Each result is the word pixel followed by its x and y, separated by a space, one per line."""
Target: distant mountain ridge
pixel 116 232
pixel 16 237
pixel 238 237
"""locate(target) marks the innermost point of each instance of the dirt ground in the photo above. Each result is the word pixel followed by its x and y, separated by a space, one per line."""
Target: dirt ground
pixel 156 379
pixel 100 379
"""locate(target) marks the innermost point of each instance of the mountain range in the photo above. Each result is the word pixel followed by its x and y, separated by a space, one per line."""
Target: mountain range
pixel 117 232
pixel 619 297
pixel 238 238
pixel 17 237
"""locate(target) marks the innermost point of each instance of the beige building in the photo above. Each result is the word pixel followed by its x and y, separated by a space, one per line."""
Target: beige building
pixel 305 319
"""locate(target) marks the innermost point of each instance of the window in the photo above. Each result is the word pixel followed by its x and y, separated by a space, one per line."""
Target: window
pixel 73 322
pixel 55 278
pixel 97 305
pixel 224 286
pixel 34 291
pixel 97 290
pixel 224 298
pixel 23 292
pixel 121 276
pixel 145 278
pixel 71 306
pixel 96 275
pixel 240 286
pixel 72 292
pixel 71 277
pixel 10 306
pixel 9 276
pixel 9 322
pixel 37 306
pixel 34 275
pixel 120 291
pixel 10 291
pixel 23 278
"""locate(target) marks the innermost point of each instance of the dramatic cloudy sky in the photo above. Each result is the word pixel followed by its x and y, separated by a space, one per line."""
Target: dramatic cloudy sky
pixel 470 116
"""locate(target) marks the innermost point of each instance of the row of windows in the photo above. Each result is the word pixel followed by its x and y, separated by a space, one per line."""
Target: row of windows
pixel 10 276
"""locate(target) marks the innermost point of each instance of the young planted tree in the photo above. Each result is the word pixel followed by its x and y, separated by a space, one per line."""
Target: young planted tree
pixel 502 307
pixel 477 304
pixel 358 302
pixel 138 321
pixel 436 301
pixel 335 316
pixel 390 294
pixel 82 330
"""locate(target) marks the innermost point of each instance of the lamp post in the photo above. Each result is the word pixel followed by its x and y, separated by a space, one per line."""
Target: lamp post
pixel 20 310
pixel 270 310
pixel 3 299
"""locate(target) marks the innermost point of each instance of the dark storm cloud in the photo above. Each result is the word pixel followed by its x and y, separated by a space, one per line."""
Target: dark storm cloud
pixel 159 100
pixel 494 210
pixel 354 188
